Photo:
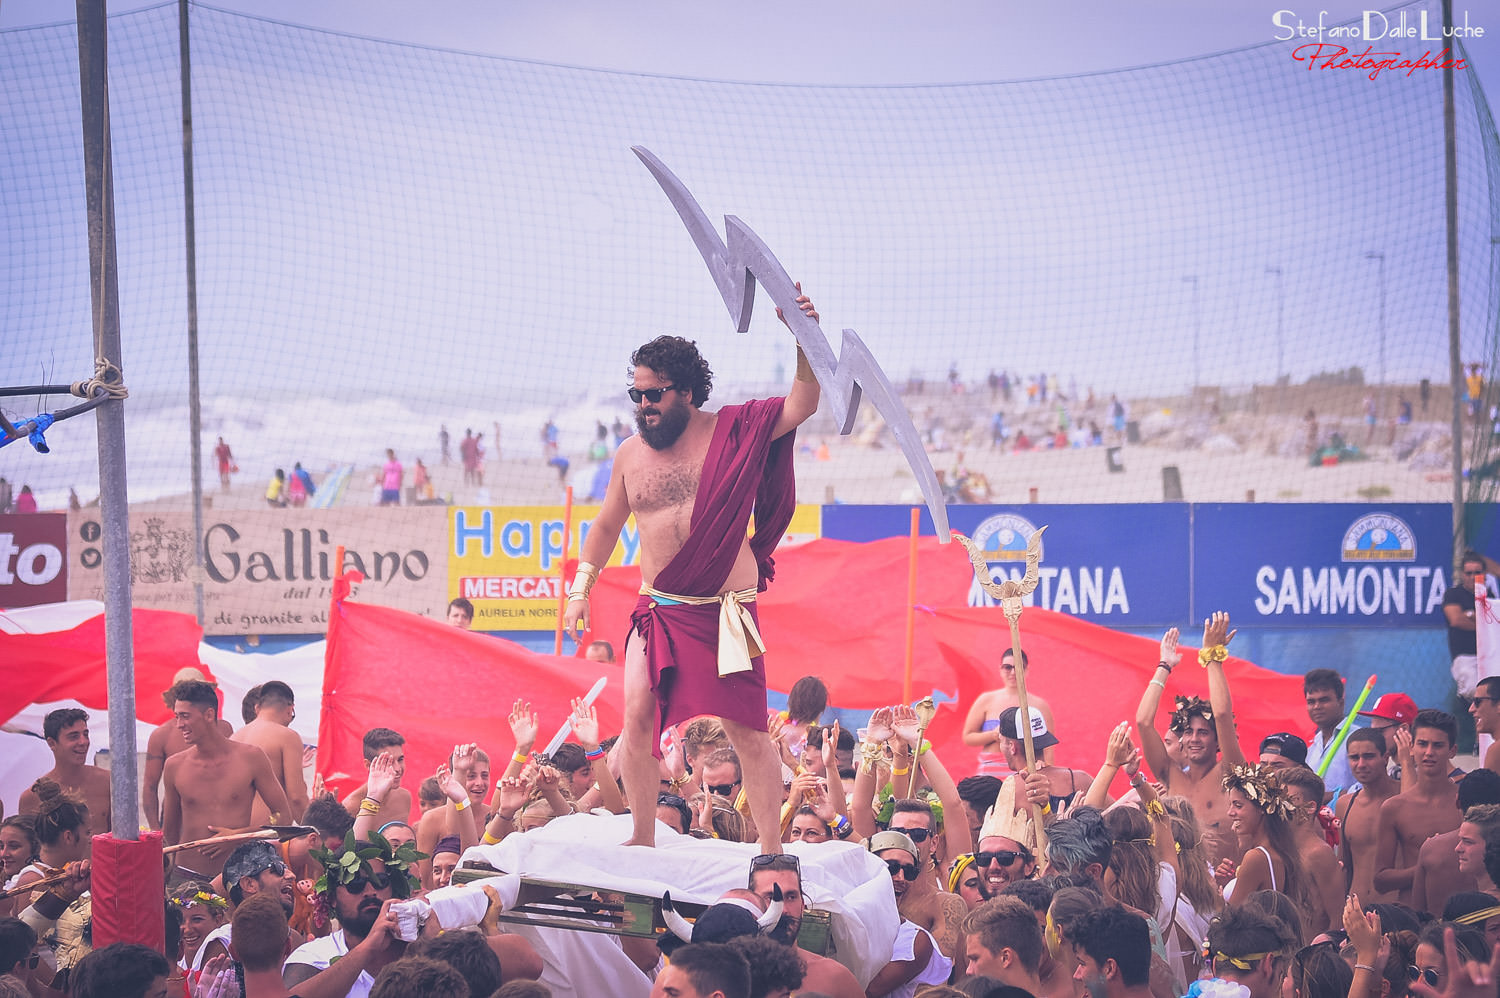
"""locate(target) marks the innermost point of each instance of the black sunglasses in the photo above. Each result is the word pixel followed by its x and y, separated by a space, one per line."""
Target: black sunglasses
pixel 649 394
pixel 722 789
pixel 907 870
pixel 363 880
pixel 1005 857
pixel 778 860
pixel 671 800
pixel 1430 975
pixel 917 835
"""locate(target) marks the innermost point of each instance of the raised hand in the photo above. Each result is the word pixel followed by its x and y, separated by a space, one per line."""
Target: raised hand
pixel 1461 978
pixel 880 728
pixel 450 785
pixel 523 725
pixel 1363 929
pixel 465 757
pixel 1216 630
pixel 1400 737
pixel 383 776
pixel 703 813
pixel 823 805
pixel 906 724
pixel 513 793
pixel 218 979
pixel 318 790
pixel 775 725
pixel 1119 750
pixel 804 788
pixel 585 725
pixel 803 302
pixel 1169 654
pixel 830 746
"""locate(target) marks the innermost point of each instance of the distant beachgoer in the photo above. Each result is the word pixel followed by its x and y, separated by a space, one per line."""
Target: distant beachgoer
pixel 1474 383
pixel 1117 414
pixel 1369 411
pixel 296 491
pixel 549 439
pixel 307 483
pixel 73 502
pixel 421 482
pixel 275 491
pixel 26 502
pixel 1403 411
pixel 227 466
pixel 1311 420
pixel 6 496
pixel 390 480
pixel 443 442
pixel 479 459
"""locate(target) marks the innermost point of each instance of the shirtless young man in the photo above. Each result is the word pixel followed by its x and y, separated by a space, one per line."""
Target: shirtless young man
pixel 695 562
pixel 1320 866
pixel 1453 862
pixel 67 734
pixel 1210 746
pixel 1358 811
pixel 396 804
pixel 825 975
pixel 166 741
pixel 982 726
pixel 271 732
pixel 1426 805
pixel 212 784
pixel 1484 707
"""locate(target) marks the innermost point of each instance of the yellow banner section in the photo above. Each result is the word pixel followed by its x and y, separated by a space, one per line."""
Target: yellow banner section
pixel 269 571
pixel 507 560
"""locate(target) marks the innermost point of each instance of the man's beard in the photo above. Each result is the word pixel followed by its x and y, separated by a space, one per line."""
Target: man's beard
pixel 785 930
pixel 362 922
pixel 667 429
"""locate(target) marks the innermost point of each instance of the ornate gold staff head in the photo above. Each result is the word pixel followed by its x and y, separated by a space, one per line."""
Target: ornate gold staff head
pixel 1010 592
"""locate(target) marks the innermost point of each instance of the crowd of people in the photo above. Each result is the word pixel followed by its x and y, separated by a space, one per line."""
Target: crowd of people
pixel 1214 872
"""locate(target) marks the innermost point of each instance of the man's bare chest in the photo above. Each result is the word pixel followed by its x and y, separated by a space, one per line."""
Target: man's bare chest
pixel 663 483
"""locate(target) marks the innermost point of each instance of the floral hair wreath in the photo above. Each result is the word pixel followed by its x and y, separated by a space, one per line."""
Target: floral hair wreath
pixel 885 806
pixel 353 859
pixel 206 898
pixel 1261 788
pixel 1188 708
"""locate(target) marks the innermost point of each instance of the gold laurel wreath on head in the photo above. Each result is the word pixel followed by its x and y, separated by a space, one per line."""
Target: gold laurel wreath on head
pixel 1261 788
pixel 1188 708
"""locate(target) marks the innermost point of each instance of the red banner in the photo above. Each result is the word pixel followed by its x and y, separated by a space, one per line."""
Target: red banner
pixel 438 685
pixel 70 665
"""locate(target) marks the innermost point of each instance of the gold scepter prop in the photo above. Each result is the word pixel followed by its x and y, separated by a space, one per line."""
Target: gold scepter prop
pixel 1011 595
pixel 926 710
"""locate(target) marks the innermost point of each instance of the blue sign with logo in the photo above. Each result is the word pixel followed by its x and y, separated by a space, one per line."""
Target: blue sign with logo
pixel 1323 565
pixel 1123 565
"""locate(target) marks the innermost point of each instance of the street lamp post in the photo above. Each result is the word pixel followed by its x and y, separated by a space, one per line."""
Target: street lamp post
pixel 1381 257
pixel 1280 315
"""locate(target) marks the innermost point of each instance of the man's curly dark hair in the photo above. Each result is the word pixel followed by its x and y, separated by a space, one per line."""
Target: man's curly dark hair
pixel 679 363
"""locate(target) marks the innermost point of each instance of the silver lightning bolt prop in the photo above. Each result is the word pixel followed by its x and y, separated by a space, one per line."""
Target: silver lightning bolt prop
pixel 736 263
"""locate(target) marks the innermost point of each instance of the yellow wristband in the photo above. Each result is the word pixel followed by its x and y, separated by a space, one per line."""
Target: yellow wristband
pixel 461 805
pixel 518 757
pixel 489 839
pixel 901 772
pixel 1213 653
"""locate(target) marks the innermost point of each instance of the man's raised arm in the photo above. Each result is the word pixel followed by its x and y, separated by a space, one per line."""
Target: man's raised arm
pixel 1152 747
pixel 1217 635
pixel 802 399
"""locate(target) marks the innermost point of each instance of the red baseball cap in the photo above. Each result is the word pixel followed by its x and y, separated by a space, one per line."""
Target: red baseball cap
pixel 1396 707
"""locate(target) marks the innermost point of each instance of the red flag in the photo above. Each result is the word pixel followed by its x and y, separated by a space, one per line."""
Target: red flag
pixel 70 665
pixel 836 609
pixel 1093 678
pixel 438 685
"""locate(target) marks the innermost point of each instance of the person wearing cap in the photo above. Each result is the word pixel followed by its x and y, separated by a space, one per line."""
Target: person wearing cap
pixel 253 868
pixel 1323 689
pixel 445 860
pixel 1393 715
pixel 1484 707
pixel 1283 750
pixel 916 958
pixel 1358 811
pixel 1064 785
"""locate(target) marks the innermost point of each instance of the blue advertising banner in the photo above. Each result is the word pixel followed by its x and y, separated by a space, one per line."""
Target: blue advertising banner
pixel 1323 565
pixel 1125 565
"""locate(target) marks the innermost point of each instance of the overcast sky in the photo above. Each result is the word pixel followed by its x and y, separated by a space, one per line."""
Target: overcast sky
pixel 824 41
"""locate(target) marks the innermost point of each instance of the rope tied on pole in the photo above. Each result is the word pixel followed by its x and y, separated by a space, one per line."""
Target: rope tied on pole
pixel 107 378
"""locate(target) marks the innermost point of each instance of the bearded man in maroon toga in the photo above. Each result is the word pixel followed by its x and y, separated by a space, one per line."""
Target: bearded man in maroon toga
pixel 692 479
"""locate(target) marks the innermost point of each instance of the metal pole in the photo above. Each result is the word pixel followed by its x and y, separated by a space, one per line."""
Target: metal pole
pixel 1455 359
pixel 1280 315
pixel 114 511
pixel 1380 257
pixel 1197 332
pixel 195 410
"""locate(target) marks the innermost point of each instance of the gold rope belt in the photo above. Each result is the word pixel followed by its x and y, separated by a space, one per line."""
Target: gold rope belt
pixel 739 639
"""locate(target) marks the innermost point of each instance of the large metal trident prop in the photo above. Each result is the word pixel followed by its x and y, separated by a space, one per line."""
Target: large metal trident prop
pixel 741 258
pixel 1012 596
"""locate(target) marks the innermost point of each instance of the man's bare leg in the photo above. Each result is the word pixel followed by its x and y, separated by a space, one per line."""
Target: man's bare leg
pixel 638 765
pixel 760 771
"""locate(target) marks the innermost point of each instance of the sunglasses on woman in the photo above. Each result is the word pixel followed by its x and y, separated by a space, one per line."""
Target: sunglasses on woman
pixel 1430 975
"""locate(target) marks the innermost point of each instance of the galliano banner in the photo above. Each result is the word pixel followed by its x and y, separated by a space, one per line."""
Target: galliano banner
pixel 269 571
pixel 507 560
